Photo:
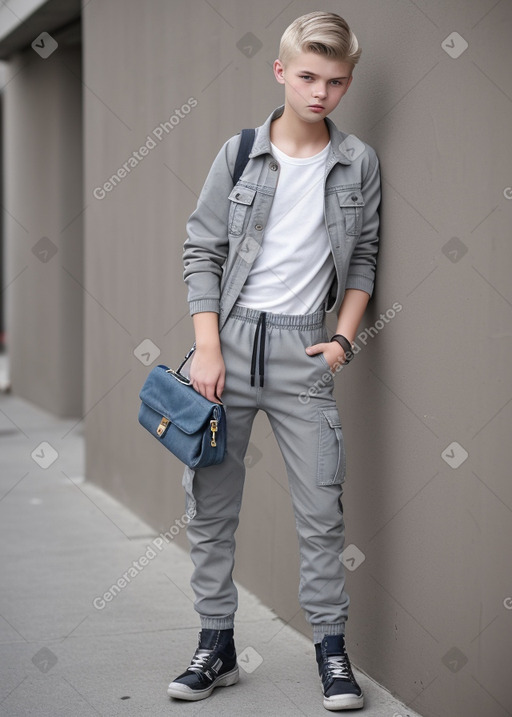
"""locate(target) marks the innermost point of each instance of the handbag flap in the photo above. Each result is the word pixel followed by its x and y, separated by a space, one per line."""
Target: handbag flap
pixel 180 403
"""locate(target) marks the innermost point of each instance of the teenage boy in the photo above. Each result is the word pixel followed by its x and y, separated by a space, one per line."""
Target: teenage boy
pixel 264 261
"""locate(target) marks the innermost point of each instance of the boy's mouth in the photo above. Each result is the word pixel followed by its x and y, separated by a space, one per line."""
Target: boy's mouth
pixel 316 107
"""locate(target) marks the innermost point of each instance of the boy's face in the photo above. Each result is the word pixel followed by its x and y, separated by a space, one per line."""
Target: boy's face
pixel 314 84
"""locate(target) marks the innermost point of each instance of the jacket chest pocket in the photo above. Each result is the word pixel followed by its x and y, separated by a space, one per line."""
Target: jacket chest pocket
pixel 351 204
pixel 240 202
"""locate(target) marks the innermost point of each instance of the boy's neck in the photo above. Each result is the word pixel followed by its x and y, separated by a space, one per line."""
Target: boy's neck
pixel 298 138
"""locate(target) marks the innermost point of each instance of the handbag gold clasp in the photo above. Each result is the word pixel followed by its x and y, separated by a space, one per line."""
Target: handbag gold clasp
pixel 162 426
pixel 214 427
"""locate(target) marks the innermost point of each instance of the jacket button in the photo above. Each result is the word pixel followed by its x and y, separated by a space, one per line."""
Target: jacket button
pixel 258 227
pixel 354 197
pixel 273 166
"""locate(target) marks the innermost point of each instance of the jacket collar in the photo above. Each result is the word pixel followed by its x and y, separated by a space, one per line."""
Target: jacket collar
pixel 340 142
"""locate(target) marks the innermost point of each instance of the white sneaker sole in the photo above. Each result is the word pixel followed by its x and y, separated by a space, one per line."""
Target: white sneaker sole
pixel 183 692
pixel 343 702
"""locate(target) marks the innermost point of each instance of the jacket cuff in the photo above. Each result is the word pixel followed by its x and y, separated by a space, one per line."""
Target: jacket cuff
pixel 199 305
pixel 358 281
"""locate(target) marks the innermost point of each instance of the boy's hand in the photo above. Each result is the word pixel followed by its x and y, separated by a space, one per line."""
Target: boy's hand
pixel 332 351
pixel 208 373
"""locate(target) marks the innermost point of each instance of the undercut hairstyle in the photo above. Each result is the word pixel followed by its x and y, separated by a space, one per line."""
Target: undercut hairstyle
pixel 325 33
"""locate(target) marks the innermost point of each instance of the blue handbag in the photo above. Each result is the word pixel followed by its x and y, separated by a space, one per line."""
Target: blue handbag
pixel 184 421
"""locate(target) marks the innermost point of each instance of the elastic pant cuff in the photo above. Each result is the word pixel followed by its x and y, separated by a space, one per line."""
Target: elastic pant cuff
pixel 335 628
pixel 218 623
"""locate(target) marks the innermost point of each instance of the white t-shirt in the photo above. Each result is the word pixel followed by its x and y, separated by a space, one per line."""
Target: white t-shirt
pixel 295 268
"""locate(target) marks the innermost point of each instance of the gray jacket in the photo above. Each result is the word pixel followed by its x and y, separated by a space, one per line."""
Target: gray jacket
pixel 225 231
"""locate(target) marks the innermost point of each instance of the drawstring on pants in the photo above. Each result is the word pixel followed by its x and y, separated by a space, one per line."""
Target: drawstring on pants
pixel 259 335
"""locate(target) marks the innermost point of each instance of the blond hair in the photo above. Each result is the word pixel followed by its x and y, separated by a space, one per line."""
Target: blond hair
pixel 325 33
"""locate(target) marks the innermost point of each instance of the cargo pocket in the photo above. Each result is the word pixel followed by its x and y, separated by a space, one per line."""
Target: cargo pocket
pixel 240 199
pixel 331 448
pixel 351 204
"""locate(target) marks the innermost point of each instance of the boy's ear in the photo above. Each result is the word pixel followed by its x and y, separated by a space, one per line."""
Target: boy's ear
pixel 278 71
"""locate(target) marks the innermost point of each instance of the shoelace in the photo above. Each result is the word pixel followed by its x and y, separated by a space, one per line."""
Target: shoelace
pixel 199 661
pixel 339 668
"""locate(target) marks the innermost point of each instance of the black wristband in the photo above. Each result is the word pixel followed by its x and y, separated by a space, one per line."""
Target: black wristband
pixel 345 345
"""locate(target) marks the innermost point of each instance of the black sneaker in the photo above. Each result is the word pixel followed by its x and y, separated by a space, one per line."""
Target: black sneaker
pixel 213 665
pixel 341 691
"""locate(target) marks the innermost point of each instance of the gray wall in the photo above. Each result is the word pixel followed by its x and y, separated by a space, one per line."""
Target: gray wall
pixel 43 227
pixel 429 615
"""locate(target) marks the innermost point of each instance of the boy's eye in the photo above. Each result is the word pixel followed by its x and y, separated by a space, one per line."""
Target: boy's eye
pixel 333 82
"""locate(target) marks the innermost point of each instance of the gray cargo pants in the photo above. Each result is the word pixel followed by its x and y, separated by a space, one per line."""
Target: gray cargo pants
pixel 296 392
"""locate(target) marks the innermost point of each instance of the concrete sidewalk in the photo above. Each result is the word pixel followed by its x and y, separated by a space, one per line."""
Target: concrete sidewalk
pixel 64 543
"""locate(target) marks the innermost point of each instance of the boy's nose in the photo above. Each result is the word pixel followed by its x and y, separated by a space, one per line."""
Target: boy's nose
pixel 319 92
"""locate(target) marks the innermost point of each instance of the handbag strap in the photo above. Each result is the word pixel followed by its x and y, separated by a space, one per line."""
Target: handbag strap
pixel 189 354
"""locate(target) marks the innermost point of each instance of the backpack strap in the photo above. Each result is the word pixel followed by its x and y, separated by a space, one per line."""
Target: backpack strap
pixel 246 142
